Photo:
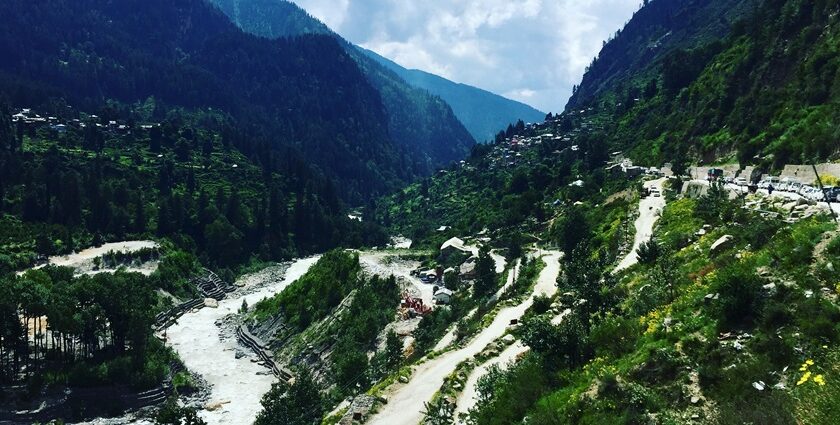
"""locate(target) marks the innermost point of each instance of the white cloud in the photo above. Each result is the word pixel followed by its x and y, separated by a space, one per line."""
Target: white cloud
pixel 530 50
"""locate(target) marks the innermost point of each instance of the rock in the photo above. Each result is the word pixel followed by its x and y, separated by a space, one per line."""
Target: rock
pixel 725 242
pixel 457 386
pixel 239 354
pixel 695 399
pixel 770 288
pixel 789 206
pixel 737 345
pixel 701 232
pixel 215 405
pixel 211 303
pixel 508 339
pixel 403 379
pixel 760 385
pixel 830 266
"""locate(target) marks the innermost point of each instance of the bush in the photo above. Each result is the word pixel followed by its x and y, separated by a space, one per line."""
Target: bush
pixel 741 297
pixel 614 336
pixel 541 304
pixel 649 252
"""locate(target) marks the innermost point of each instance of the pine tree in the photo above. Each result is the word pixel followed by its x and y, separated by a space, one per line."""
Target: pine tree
pixel 485 274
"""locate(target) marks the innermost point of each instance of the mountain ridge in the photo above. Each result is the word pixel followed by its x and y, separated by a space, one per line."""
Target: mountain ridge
pixel 472 106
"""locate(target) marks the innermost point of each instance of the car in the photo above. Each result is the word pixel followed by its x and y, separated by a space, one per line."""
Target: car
pixel 831 194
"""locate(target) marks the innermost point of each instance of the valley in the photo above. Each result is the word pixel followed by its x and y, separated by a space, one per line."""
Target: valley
pixel 224 212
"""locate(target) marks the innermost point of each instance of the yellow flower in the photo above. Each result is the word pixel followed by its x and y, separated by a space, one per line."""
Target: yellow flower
pixel 804 378
pixel 803 368
pixel 809 362
pixel 819 380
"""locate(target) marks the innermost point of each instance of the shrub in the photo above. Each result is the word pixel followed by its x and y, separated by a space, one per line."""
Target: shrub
pixel 649 252
pixel 614 335
pixel 741 297
pixel 541 304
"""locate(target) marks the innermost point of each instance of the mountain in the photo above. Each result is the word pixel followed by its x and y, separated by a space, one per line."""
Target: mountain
pixel 304 93
pixel 721 321
pixel 721 81
pixel 481 112
pixel 654 31
pixel 419 123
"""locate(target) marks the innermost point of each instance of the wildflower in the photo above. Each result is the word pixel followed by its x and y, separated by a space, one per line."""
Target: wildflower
pixel 804 378
pixel 819 380
pixel 809 362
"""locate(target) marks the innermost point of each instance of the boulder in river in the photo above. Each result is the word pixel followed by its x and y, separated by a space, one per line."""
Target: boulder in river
pixel 211 303
pixel 215 405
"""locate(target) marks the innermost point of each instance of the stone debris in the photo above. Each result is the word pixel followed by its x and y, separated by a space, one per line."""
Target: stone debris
pixel 215 405
pixel 725 242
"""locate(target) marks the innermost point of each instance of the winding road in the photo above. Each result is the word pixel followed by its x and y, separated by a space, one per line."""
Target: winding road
pixel 650 209
pixel 406 402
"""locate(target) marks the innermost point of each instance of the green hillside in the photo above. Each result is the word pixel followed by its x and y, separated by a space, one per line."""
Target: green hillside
pixel 755 83
pixel 730 316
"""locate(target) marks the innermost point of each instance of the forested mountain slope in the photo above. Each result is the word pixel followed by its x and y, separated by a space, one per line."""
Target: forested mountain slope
pixel 416 117
pixel 655 30
pixel 419 123
pixel 755 82
pixel 305 93
pixel 482 112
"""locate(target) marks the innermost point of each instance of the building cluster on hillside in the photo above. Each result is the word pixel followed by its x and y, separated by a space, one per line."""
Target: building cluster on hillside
pixel 26 116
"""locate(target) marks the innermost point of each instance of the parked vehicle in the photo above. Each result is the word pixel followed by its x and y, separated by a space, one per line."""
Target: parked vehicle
pixel 832 194
pixel 714 174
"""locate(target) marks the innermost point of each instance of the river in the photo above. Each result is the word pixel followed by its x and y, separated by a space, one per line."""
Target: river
pixel 237 383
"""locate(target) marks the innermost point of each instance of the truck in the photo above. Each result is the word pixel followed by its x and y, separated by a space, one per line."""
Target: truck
pixel 714 174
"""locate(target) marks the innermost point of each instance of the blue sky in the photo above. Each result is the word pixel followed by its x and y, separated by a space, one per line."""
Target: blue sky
pixel 533 51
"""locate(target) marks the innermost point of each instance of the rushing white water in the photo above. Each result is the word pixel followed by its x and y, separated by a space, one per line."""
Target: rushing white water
pixel 237 385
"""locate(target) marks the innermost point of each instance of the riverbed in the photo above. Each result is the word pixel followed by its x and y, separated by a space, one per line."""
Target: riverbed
pixel 236 384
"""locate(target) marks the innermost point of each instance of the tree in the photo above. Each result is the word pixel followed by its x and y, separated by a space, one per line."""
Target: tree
pixel 299 403
pixel 393 350
pixel 649 252
pixel 485 274
pixel 225 240
pixel 566 341
pixel 172 414
pixel 155 139
pixel 570 230
pixel 438 412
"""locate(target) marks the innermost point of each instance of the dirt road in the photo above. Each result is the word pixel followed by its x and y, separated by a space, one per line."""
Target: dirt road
pixel 650 209
pixel 406 403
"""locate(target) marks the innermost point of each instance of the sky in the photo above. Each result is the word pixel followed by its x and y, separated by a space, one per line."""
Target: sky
pixel 532 51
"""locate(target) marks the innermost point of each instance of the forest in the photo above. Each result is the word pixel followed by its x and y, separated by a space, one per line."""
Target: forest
pixel 302 94
pixel 180 182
